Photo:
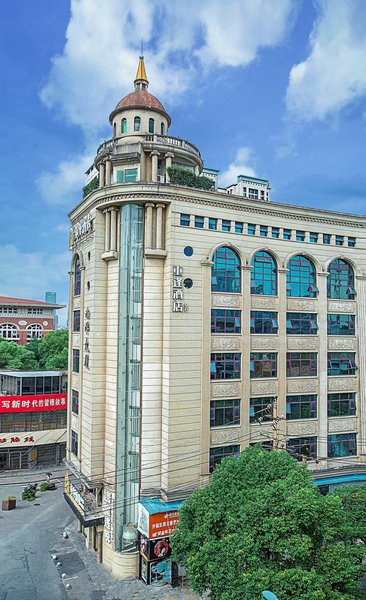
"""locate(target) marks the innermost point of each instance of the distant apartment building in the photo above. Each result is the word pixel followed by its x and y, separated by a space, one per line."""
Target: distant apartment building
pixel 33 414
pixel 21 319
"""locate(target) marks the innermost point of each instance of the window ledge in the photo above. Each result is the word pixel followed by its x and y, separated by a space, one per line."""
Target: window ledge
pixel 219 427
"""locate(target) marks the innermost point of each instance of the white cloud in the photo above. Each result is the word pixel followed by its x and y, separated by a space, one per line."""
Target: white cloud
pixel 63 185
pixel 31 274
pixel 241 166
pixel 99 60
pixel 334 73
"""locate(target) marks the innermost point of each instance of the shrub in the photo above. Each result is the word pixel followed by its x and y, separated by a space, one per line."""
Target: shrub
pixel 28 495
pixel 44 486
pixel 181 176
pixel 89 187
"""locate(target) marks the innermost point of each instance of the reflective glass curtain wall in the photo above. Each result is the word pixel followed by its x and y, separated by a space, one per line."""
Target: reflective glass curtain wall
pixel 129 364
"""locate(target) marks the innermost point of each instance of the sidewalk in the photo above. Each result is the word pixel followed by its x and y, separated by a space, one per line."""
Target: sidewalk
pixel 31 475
pixel 90 580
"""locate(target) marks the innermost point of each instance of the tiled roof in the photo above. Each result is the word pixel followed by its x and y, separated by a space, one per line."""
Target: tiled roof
pixel 24 302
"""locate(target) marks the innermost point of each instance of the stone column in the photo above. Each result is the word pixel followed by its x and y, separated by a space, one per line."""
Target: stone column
pixel 245 362
pixel 113 212
pixel 205 383
pixel 282 356
pixel 322 366
pixel 107 230
pixel 168 163
pixel 99 546
pixel 361 331
pixel 154 165
pixel 159 226
pixel 196 170
pixel 101 175
pixel 149 224
pixel 143 176
pixel 108 172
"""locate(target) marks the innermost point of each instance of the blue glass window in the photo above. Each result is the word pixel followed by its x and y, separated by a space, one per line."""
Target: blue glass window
pixel 199 222
pixel 238 227
pixel 217 454
pixel 225 321
pixel 301 277
pixel 137 124
pixel 301 364
pixel 342 444
pixel 304 447
pixel 77 277
pixel 263 230
pixel 341 363
pixel 342 404
pixel 263 364
pixel 261 409
pixel 351 242
pixel 151 125
pixel 301 407
pixel 287 234
pixel 300 236
pixel 224 412
pixel 341 324
pixel 226 271
pixel 313 237
pixel 212 223
pixel 188 251
pixel 225 225
pixel 301 324
pixel 263 322
pixel 341 280
pixel 123 125
pixel 185 220
pixel 251 229
pixel 225 365
pixel 263 274
pixel 326 238
pixel 275 232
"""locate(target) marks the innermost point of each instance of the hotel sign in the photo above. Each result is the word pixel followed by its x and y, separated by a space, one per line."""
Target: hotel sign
pixel 80 229
pixel 178 295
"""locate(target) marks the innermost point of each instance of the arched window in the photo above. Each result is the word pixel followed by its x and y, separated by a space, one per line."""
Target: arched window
pixel 137 124
pixel 151 125
pixel 77 277
pixel 162 129
pixel 301 277
pixel 263 275
pixel 341 280
pixel 9 331
pixel 114 130
pixel 226 271
pixel 34 331
pixel 124 126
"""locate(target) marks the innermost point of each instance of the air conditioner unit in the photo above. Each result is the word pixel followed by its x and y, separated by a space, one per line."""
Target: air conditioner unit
pixel 161 178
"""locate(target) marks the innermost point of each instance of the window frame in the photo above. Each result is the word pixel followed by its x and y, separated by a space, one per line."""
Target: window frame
pixel 301 277
pixel 258 367
pixel 301 323
pixel 334 321
pixel 341 358
pixel 307 361
pixel 225 366
pixel 228 414
pixel 263 274
pixel 301 406
pixel 226 271
pixel 137 123
pixel 263 322
pixel 222 452
pixel 337 399
pixel 225 321
pixel 336 440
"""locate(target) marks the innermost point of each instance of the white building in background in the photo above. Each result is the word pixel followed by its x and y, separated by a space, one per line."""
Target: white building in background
pixel 201 314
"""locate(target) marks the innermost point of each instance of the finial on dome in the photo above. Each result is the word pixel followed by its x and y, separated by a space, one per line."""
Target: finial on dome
pixel 141 82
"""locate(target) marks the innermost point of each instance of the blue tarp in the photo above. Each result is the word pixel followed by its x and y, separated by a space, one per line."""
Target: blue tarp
pixel 155 505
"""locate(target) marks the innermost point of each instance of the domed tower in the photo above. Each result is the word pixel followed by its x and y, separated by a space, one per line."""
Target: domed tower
pixel 141 148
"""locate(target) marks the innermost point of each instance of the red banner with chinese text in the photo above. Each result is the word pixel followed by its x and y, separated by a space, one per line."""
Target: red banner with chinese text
pixel 12 404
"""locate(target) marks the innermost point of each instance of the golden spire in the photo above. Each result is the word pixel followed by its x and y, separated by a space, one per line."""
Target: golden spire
pixel 141 82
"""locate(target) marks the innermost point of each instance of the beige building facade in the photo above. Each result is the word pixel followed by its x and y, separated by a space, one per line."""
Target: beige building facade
pixel 209 320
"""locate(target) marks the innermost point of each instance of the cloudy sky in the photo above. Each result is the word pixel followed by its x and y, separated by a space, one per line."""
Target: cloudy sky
pixel 275 88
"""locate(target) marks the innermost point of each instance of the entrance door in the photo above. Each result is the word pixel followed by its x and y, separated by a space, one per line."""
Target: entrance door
pixel 4 460
pixel 15 459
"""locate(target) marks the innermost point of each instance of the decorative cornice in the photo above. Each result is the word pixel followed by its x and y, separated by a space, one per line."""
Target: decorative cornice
pixel 241 205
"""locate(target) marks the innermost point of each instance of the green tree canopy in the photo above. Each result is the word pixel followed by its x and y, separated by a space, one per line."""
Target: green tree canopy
pixel 53 350
pixel 13 356
pixel 353 499
pixel 262 524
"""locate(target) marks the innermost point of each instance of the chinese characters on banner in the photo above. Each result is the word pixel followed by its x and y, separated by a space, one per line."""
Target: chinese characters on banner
pixel 43 402
pixel 15 439
pixel 157 525
pixel 178 304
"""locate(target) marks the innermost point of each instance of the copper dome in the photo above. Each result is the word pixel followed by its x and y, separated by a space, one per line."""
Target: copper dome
pixel 139 99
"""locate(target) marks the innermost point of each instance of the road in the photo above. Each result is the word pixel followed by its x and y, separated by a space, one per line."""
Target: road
pixel 28 534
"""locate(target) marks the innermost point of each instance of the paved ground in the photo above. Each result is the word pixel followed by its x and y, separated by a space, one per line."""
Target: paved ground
pixel 32 532
pixel 27 534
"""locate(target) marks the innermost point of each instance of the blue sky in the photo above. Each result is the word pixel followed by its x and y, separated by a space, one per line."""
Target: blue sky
pixel 274 88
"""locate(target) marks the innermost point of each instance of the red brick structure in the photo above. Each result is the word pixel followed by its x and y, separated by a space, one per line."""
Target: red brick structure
pixel 21 319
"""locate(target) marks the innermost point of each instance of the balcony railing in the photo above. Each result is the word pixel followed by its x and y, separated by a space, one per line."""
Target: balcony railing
pixel 168 140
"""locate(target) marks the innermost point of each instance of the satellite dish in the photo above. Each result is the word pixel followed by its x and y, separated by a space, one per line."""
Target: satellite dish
pixel 269 595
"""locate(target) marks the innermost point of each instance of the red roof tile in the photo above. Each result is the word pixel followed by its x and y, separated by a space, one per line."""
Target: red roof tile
pixel 24 302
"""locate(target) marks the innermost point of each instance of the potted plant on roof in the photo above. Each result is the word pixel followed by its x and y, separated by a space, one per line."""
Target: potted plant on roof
pixel 10 503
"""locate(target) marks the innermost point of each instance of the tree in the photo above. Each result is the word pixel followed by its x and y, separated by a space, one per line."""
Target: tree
pixel 262 524
pixel 53 350
pixel 353 499
pixel 13 356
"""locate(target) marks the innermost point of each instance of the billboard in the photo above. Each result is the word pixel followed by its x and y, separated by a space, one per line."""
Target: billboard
pixel 40 402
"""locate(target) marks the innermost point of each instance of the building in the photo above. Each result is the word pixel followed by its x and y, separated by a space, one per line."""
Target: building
pixel 21 320
pixel 201 322
pixel 33 414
